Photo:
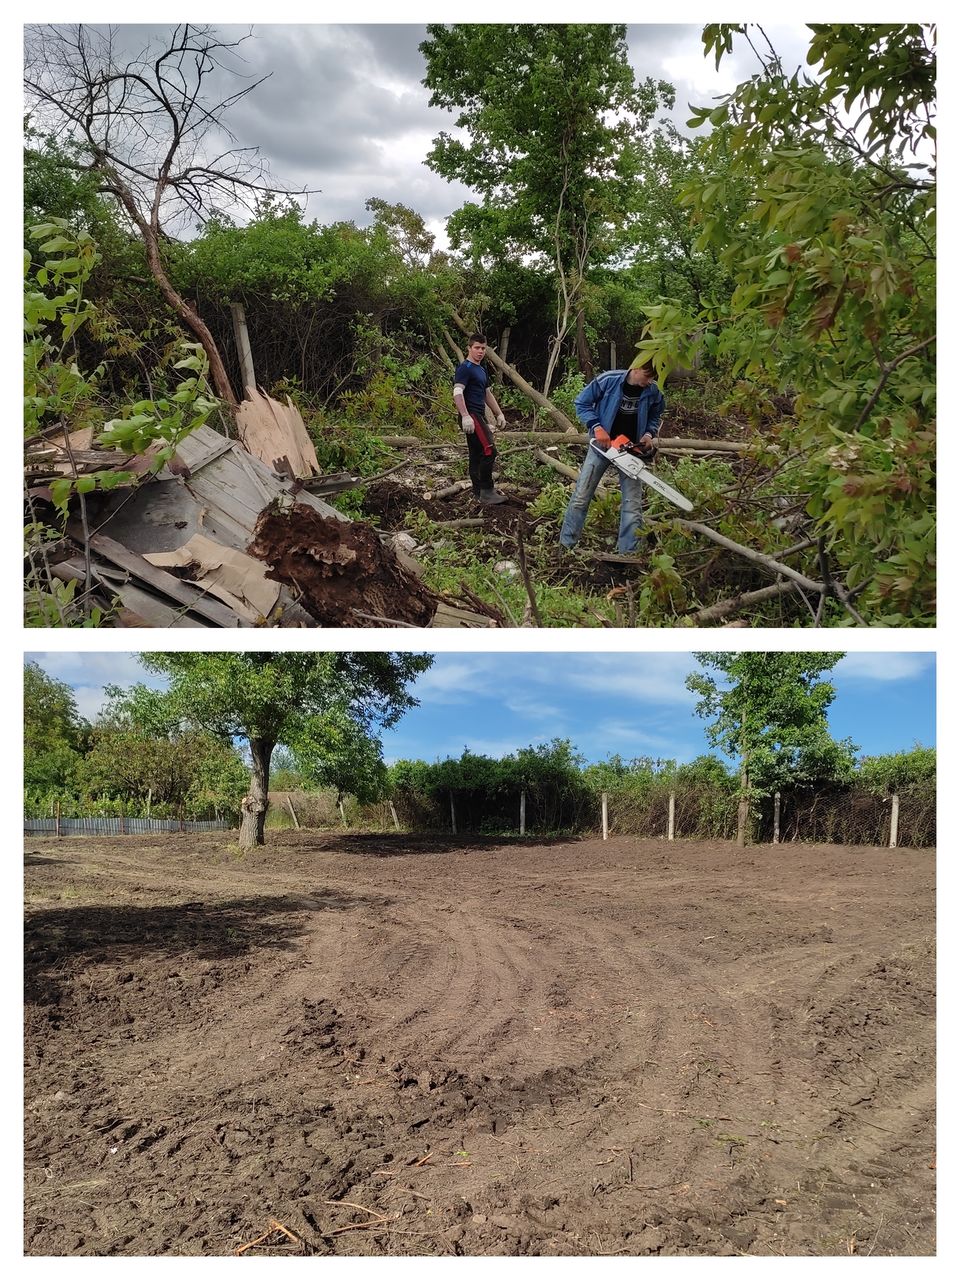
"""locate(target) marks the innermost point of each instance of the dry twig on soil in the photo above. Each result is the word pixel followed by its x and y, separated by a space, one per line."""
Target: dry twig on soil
pixel 274 1227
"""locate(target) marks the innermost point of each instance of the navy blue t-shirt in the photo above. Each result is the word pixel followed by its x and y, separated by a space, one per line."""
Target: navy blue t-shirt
pixel 474 380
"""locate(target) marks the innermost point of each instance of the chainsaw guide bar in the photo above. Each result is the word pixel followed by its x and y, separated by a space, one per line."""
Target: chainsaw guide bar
pixel 630 465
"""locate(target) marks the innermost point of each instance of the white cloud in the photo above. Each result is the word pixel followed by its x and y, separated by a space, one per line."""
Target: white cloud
pixel 454 679
pixel 655 678
pixel 90 700
pixel 633 738
pixel 884 667
pixel 91 668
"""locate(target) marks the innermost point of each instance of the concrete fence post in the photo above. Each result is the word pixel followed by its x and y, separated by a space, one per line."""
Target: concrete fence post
pixel 523 813
pixel 603 805
pixel 894 820
pixel 671 815
pixel 293 812
pixel 453 816
pixel 393 814
pixel 776 817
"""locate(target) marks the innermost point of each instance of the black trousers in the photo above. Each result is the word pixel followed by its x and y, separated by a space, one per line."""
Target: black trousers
pixel 482 453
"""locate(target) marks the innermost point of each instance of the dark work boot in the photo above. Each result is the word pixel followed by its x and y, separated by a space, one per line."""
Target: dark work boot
pixel 491 498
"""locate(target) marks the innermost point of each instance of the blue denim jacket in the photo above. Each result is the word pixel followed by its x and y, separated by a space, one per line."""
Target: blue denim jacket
pixel 599 403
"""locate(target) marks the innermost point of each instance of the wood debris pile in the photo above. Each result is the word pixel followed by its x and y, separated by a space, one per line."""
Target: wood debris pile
pixel 189 548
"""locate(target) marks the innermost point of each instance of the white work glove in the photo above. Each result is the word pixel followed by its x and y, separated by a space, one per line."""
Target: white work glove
pixel 500 420
pixel 467 424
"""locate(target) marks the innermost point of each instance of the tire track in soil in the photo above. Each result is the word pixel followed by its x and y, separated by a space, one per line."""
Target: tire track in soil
pixel 517 1023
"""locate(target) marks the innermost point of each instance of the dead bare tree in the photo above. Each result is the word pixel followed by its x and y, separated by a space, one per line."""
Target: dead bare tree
pixel 149 130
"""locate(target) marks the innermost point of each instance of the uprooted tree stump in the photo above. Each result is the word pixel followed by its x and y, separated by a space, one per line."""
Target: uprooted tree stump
pixel 343 573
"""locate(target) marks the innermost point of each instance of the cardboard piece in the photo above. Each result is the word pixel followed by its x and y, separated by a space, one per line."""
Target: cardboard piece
pixel 237 579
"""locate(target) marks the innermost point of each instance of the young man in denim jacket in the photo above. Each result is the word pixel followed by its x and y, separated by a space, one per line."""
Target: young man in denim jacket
pixel 623 402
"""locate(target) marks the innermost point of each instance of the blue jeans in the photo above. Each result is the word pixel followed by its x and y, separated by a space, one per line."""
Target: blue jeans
pixel 631 505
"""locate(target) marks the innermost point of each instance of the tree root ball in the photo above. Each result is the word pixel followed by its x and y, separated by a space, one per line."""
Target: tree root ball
pixel 340 570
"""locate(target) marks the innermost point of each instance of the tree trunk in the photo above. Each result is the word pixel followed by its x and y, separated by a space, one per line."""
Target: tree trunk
pixel 151 240
pixel 743 804
pixel 743 816
pixel 253 808
pixel 584 358
pixel 504 343
pixel 191 318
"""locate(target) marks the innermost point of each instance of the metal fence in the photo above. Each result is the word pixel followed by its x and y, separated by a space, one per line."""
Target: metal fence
pixel 116 826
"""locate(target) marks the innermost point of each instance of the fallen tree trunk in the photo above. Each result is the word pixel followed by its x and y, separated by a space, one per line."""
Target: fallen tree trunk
pixel 678 444
pixel 724 608
pixel 672 444
pixel 755 557
pixel 449 491
pixel 571 473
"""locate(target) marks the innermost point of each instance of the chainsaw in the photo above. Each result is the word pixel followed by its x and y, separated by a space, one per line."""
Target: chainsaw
pixel 629 459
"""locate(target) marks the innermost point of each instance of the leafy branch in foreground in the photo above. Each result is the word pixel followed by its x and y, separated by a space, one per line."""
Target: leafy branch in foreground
pixel 834 299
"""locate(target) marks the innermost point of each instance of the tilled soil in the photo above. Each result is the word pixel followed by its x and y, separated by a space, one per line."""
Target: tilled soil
pixel 396 1045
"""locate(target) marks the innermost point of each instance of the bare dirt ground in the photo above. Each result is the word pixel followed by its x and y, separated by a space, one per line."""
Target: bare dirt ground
pixel 392 1045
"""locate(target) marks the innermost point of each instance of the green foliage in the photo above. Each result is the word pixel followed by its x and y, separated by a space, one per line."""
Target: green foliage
pixel 769 711
pixel 449 568
pixel 394 381
pixel 486 791
pixel 834 295
pixel 662 244
pixel 554 118
pixel 564 393
pixel 55 389
pixel 54 733
pixel 278 256
pixel 903 771
pixel 167 419
pixel 336 751
pixel 325 707
pixel 554 121
pixel 551 502
pixel 354 448
pixel 192 769
pixel 54 310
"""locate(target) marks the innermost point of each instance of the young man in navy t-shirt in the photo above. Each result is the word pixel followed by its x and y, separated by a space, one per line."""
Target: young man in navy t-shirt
pixel 471 397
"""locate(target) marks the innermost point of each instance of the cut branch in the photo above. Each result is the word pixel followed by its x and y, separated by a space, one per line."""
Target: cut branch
pixel 570 473
pixel 755 557
pixel 724 608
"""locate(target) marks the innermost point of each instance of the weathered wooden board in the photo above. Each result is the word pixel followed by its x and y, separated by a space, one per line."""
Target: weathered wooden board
pixel 275 433
pixel 165 583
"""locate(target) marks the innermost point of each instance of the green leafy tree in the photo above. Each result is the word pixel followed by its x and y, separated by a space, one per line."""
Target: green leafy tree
pixel 335 750
pixel 555 119
pixel 661 254
pixel 175 769
pixel 901 771
pixel 833 304
pixel 769 712
pixel 301 700
pixel 54 732
pixel 58 392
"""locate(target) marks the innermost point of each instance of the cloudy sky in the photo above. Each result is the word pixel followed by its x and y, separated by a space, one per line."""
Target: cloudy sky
pixel 344 110
pixel 627 704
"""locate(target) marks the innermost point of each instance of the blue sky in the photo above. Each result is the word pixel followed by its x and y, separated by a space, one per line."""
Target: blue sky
pixel 628 704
